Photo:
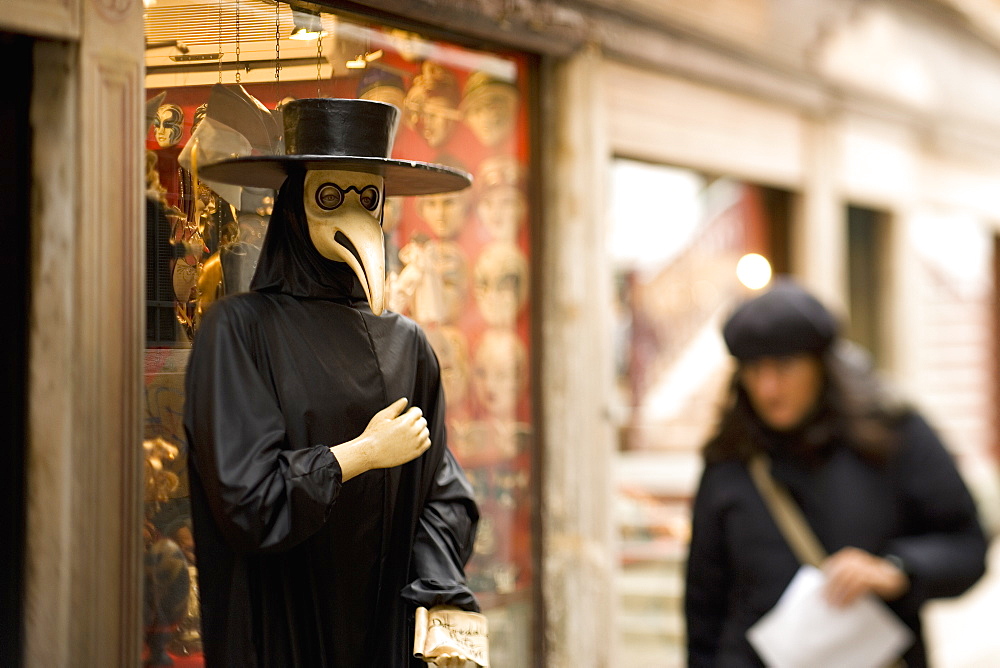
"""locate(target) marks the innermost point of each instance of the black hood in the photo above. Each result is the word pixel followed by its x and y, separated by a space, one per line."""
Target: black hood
pixel 289 262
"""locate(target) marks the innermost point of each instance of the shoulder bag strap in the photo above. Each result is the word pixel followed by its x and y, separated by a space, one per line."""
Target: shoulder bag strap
pixel 786 513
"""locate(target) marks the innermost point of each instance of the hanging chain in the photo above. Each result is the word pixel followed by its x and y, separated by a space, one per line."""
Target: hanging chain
pixel 277 44
pixel 220 41
pixel 319 55
pixel 237 41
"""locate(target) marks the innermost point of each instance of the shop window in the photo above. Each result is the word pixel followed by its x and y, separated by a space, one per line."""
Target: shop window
pixel 456 263
pixel 676 276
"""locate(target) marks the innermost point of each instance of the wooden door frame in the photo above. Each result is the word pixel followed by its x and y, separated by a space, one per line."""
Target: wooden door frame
pixel 83 475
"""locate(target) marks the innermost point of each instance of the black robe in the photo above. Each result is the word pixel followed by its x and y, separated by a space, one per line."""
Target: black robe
pixel 295 567
pixel 916 508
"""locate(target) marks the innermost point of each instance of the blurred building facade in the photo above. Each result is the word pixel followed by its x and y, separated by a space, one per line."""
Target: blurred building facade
pixel 853 144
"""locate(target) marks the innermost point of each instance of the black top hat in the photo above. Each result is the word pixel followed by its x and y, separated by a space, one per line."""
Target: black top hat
pixel 346 134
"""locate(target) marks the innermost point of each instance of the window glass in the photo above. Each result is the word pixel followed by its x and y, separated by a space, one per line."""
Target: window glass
pixel 456 263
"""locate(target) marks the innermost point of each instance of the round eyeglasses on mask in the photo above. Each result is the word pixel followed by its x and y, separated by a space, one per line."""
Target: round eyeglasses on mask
pixel 329 196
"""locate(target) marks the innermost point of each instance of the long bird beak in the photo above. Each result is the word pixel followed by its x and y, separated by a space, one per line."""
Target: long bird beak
pixel 358 241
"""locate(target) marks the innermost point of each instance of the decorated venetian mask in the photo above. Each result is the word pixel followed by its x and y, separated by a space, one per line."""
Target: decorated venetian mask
pixel 168 124
pixel 452 353
pixel 501 284
pixel 499 372
pixel 490 107
pixel 444 213
pixel 199 116
pixel 442 292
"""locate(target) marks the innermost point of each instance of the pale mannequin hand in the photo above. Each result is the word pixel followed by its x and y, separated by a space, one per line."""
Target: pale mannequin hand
pixel 852 572
pixel 391 438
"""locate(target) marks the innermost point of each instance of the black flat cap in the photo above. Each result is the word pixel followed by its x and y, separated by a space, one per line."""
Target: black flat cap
pixel 785 320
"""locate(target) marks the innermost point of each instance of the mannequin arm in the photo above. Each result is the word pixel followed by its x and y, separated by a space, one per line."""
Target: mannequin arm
pixel 391 438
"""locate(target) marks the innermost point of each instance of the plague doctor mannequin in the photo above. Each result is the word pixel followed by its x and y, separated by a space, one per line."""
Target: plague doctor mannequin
pixel 326 504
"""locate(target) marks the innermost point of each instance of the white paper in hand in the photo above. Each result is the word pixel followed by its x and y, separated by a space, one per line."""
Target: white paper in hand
pixel 804 631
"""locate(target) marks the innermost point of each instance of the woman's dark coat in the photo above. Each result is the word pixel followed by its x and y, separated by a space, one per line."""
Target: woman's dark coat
pixel 295 567
pixel 916 508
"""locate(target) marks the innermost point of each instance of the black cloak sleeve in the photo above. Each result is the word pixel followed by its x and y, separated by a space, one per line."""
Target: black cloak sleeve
pixel 443 543
pixel 446 528
pixel 264 494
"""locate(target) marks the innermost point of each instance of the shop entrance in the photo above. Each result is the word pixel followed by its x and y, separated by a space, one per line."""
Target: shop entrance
pixel 679 267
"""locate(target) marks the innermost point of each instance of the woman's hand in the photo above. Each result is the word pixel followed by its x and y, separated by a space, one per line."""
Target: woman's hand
pixel 851 573
pixel 392 438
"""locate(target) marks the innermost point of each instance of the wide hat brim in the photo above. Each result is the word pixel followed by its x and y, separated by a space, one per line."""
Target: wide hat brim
pixel 402 177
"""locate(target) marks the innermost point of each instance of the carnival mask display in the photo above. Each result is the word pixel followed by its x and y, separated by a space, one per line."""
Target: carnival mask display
pixel 499 372
pixel 432 104
pixel 442 292
pixel 501 204
pixel 444 213
pixel 381 86
pixel 500 284
pixel 489 106
pixel 452 351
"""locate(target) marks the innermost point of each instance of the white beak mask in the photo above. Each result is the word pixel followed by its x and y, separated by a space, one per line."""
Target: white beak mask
pixel 344 214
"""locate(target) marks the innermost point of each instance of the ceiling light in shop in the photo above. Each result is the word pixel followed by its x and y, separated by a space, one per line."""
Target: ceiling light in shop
pixel 361 62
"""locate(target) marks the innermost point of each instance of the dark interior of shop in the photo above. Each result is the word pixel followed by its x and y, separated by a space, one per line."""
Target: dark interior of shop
pixel 15 181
